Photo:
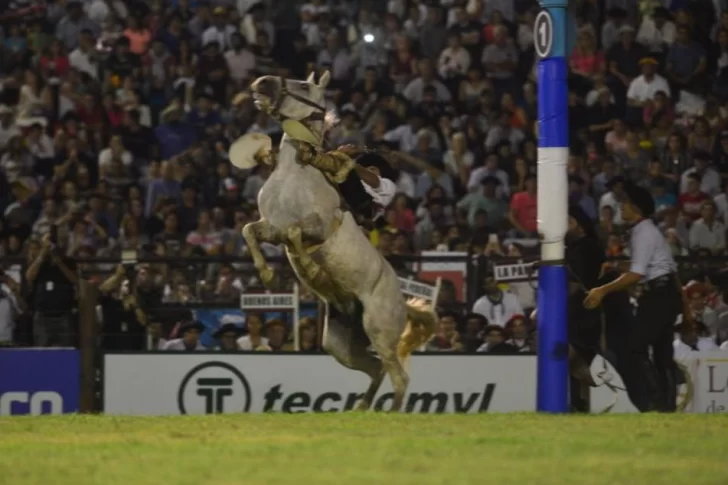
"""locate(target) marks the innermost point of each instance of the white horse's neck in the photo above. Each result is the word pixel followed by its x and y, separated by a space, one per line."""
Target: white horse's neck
pixel 285 162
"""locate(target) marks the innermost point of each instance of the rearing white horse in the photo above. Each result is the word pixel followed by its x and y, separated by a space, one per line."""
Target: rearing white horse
pixel 302 209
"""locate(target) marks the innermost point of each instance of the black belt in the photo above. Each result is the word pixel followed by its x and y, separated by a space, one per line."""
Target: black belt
pixel 660 283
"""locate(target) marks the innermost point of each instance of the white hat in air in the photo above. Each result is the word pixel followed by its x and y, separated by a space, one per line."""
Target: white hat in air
pixel 243 152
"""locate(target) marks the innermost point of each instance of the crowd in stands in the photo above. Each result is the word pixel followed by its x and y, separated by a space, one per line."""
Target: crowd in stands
pixel 116 117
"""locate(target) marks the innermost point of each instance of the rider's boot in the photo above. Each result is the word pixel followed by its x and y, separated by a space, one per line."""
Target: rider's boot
pixel 313 272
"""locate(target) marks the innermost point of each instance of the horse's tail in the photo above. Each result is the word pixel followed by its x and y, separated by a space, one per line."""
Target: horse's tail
pixel 421 320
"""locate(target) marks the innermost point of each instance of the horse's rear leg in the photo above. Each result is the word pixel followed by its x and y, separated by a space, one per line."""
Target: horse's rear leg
pixel 348 345
pixel 255 233
pixel 385 339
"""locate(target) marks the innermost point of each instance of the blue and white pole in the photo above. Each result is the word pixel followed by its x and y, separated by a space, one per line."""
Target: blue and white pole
pixel 550 39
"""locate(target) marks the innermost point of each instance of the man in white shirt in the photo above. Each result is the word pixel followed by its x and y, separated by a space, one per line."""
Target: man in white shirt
pixel 611 198
pixel 220 31
pixel 190 338
pixel 689 340
pixel 414 92
pixel 99 10
pixel 707 232
pixel 406 135
pixel 658 32
pixel 643 88
pixel 496 305
pixel 240 60
pixel 454 60
pixel 710 181
pixel 84 57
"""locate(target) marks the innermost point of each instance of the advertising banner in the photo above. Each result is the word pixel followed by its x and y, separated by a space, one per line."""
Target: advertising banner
pixel 169 384
pixel 39 381
pixel 711 382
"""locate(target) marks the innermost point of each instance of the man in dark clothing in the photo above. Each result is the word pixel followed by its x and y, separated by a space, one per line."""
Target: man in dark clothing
pixel 650 378
pixel 124 323
pixel 584 256
pixel 138 139
pixel 53 279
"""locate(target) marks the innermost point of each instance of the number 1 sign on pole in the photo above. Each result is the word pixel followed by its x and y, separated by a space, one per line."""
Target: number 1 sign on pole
pixel 550 42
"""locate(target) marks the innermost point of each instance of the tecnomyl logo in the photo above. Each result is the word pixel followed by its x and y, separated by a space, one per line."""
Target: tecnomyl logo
pixel 214 387
pixel 276 399
pixel 36 403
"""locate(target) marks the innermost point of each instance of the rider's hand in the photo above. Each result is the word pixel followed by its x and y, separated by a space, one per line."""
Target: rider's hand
pixel 350 150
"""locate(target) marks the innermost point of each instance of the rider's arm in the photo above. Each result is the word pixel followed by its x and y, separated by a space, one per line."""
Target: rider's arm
pixel 368 177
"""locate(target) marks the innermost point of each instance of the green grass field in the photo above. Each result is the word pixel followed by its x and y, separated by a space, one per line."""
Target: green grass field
pixel 503 449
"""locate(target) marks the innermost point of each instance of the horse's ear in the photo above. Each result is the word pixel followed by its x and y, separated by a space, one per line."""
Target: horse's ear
pixel 325 78
pixel 311 78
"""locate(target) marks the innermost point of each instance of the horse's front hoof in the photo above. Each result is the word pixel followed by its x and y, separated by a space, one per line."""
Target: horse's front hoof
pixel 267 275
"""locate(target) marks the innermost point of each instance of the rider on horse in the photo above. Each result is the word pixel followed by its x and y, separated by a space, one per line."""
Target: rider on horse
pixel 365 178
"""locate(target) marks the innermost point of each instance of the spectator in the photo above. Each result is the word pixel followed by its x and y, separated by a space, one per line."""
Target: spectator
pixel 700 312
pixel 415 90
pixel 220 31
pixel 277 334
pixel 189 340
pixel 53 277
pixel 240 60
pixel 227 334
pixel 691 200
pixel 707 232
pixel 124 323
pixel 645 87
pixel 308 336
pixel 472 336
pixel 446 337
pixel 73 23
pixel 657 32
pixel 497 306
pixel 11 305
pixel 708 178
pixel 517 329
pixel 495 341
pixel 692 338
pixel 523 210
pixel 454 61
pixel 254 340
pixel 686 62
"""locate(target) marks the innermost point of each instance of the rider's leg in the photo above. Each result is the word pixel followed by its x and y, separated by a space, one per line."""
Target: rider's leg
pixel 313 271
pixel 255 233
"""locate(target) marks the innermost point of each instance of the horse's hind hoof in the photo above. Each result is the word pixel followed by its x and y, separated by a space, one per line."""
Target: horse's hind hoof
pixel 362 407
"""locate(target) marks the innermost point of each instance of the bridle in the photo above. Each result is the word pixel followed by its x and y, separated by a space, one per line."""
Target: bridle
pixel 283 93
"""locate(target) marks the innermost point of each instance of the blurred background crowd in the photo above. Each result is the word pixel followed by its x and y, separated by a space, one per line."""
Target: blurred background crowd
pixel 116 117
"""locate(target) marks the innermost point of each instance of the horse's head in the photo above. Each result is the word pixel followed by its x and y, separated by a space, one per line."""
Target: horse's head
pixel 289 99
